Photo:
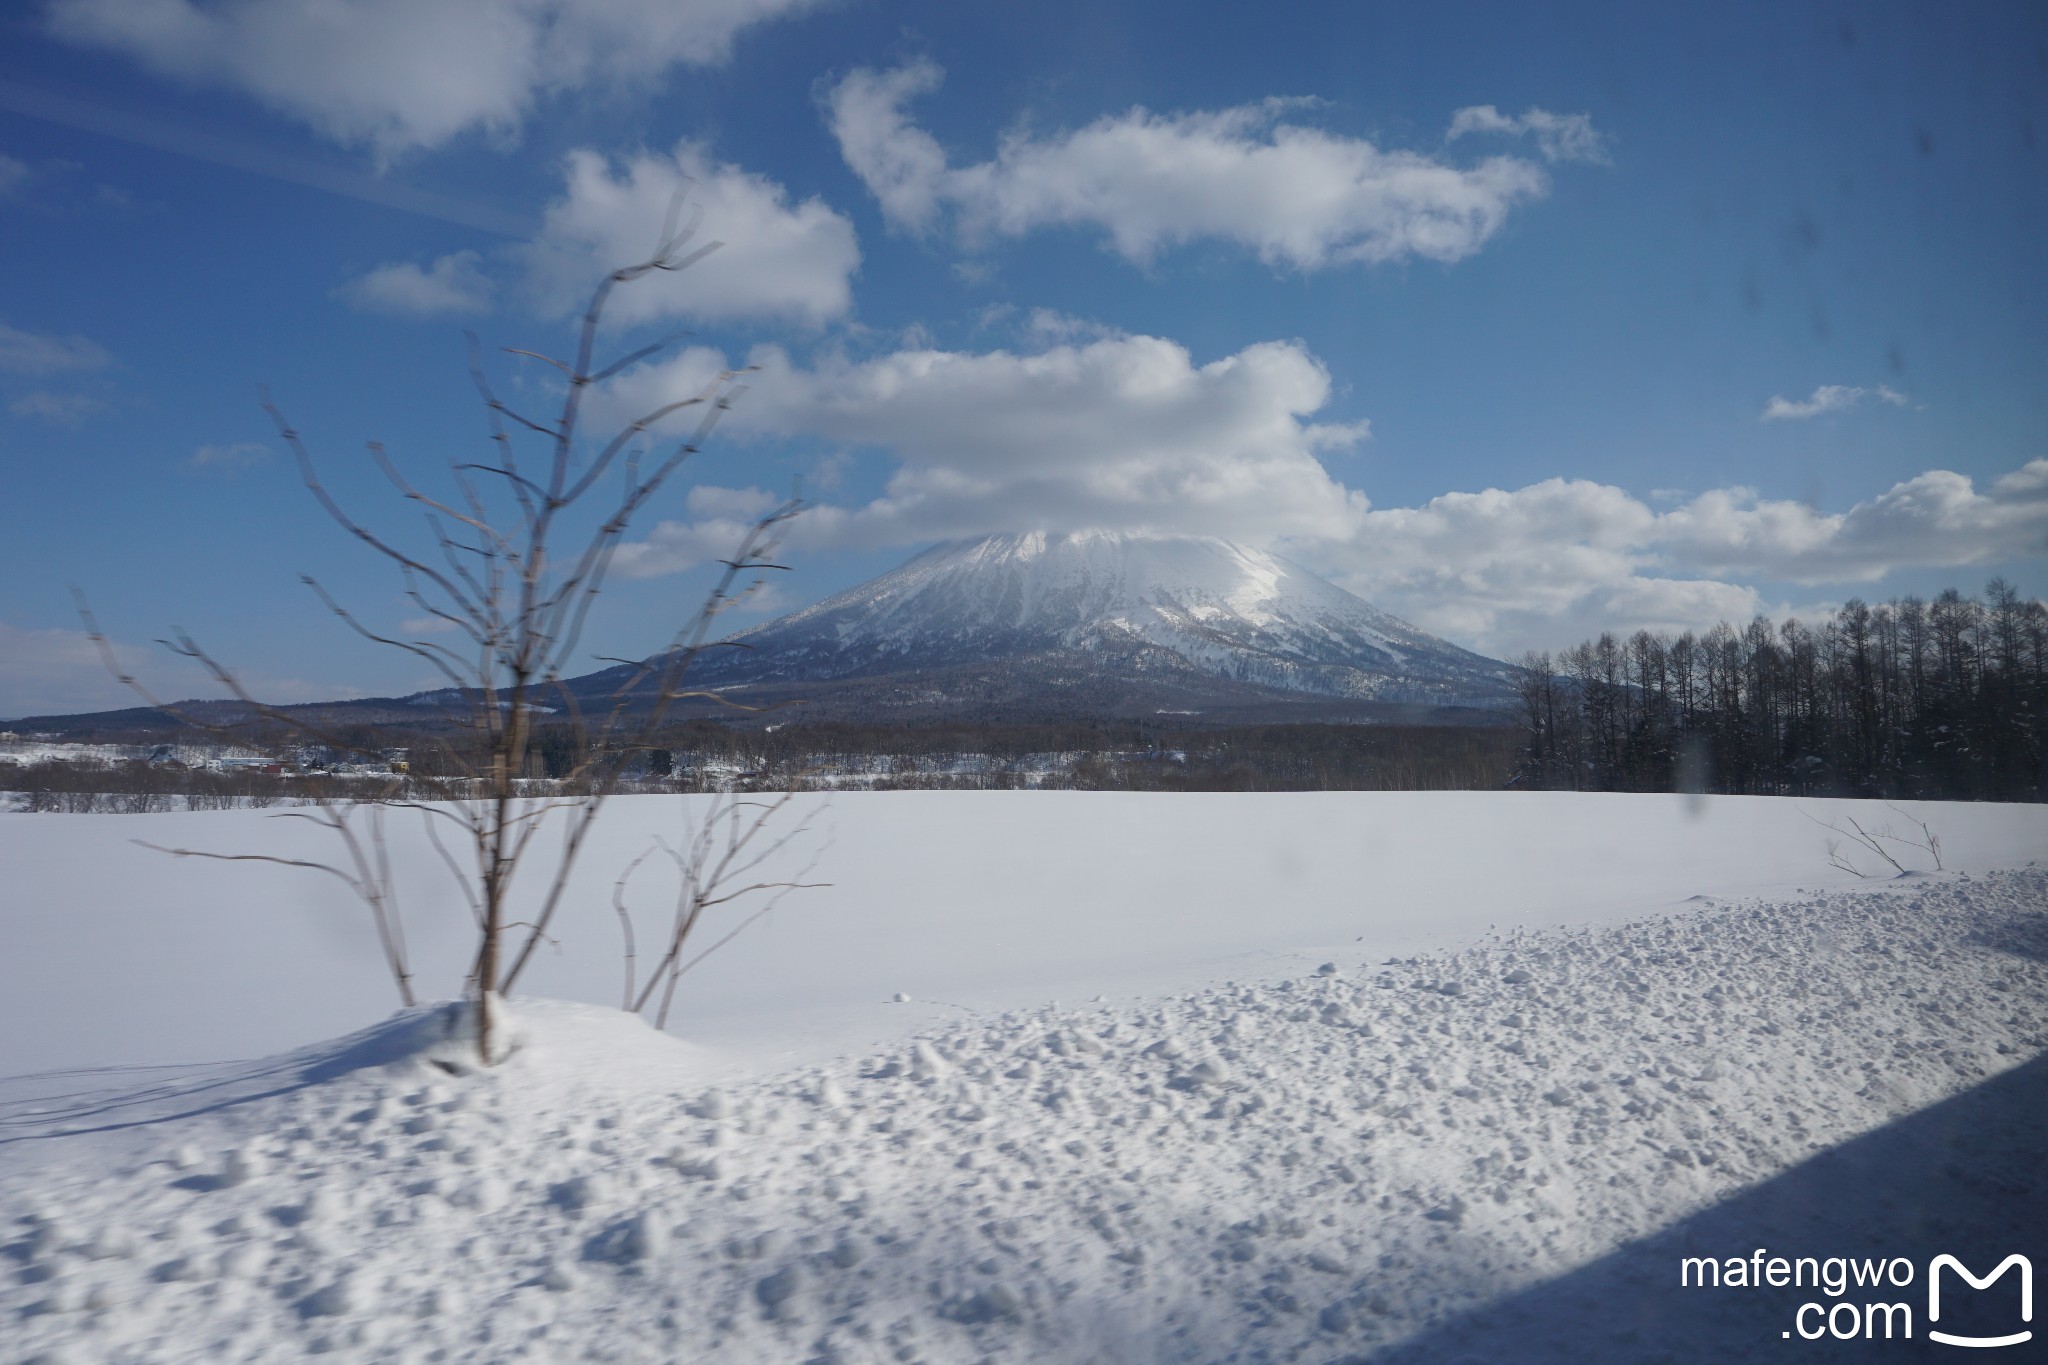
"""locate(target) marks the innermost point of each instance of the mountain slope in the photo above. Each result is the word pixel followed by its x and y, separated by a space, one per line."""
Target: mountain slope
pixel 1201 619
pixel 1036 627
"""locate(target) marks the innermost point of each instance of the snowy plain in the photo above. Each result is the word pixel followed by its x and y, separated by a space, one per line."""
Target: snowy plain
pixel 1365 1068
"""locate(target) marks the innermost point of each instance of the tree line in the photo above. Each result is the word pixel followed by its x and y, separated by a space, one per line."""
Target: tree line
pixel 1908 698
pixel 699 756
pixel 1110 755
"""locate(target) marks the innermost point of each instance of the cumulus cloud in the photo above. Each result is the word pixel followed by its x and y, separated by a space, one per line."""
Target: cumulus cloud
pixel 780 259
pixel 1559 137
pixel 1511 569
pixel 902 165
pixel 1298 196
pixel 1476 566
pixel 1117 431
pixel 1134 433
pixel 400 74
pixel 1828 398
pixel 1938 519
pixel 36 353
pixel 453 285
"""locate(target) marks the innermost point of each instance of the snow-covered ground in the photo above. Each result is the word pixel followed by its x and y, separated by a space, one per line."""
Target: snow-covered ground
pixel 1606 1018
pixel 23 752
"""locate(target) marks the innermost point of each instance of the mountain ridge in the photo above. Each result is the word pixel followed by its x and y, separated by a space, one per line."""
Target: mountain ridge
pixel 1035 627
pixel 1190 615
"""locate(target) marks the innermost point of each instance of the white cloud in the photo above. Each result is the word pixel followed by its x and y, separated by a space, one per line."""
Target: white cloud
pixel 2027 484
pixel 1559 137
pixel 779 260
pixel 401 74
pixel 730 504
pixel 13 173
pixel 1132 433
pixel 1044 325
pixel 1828 398
pixel 760 599
pixel 1297 195
pixel 1936 520
pixel 1479 566
pixel 228 459
pixel 1119 431
pixel 35 353
pixel 454 284
pixel 902 165
pixel 53 671
pixel 1544 564
pixel 46 672
pixel 65 409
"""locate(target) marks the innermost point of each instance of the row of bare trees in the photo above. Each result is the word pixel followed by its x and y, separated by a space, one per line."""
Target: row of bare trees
pixel 137 787
pixel 1941 699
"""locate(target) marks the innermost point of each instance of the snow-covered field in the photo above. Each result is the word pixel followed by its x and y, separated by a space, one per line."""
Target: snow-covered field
pixel 1605 1018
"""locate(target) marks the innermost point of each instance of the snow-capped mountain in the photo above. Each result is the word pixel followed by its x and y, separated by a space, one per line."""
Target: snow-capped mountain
pixel 1183 613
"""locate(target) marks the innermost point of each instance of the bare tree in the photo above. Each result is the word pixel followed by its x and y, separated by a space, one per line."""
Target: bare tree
pixel 718 861
pixel 1875 840
pixel 519 552
pixel 1929 842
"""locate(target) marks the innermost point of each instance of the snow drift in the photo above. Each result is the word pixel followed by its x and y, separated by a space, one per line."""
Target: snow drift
pixel 1326 1165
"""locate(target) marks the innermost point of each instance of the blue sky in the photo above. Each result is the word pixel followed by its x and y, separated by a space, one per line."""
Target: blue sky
pixel 1522 321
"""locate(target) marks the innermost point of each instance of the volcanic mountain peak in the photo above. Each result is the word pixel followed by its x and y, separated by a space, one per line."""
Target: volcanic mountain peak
pixel 1112 603
pixel 1037 582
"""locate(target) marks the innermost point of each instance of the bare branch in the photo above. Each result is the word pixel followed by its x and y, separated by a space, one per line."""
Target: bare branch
pixel 626 923
pixel 633 358
pixel 309 475
pixel 476 910
pixel 1928 841
pixel 517 586
pixel 1872 840
pixel 544 359
pixel 437 655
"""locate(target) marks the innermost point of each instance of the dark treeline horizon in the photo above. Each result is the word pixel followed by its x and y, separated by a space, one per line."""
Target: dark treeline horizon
pixel 708 756
pixel 1937 700
pixel 1942 699
pixel 1123 755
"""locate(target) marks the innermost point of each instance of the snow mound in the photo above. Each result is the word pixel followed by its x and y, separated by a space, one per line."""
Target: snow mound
pixel 539 1041
pixel 1315 1168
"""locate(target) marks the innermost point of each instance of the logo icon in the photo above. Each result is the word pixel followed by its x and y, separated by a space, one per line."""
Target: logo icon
pixel 1934 1298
